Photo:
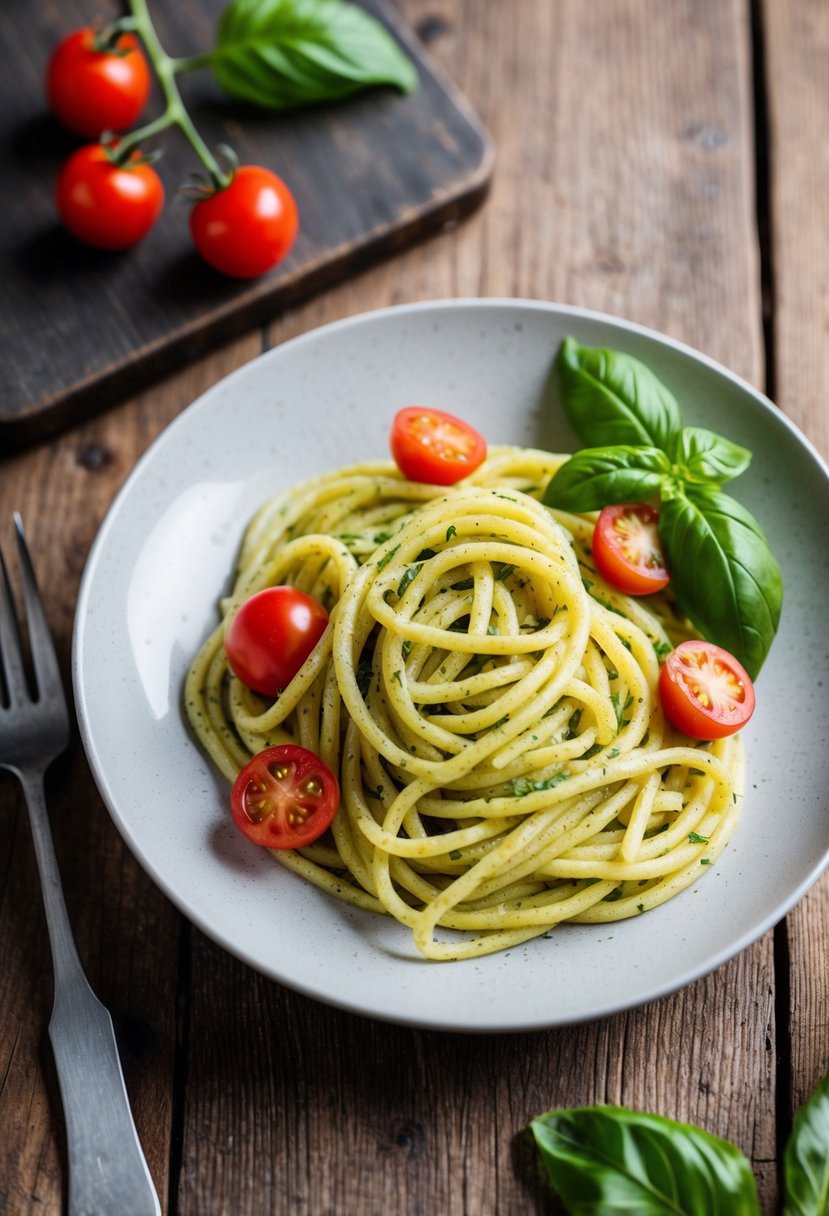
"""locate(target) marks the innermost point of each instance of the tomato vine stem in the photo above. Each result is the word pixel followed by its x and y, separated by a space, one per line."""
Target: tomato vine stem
pixel 175 112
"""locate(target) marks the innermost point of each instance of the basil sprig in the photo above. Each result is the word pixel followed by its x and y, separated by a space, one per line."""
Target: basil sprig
pixel 603 1159
pixel 284 53
pixel 723 574
pixel 806 1158
pixel 611 1159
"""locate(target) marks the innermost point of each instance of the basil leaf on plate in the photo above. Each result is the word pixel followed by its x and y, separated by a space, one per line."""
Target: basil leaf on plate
pixel 604 1159
pixel 709 458
pixel 723 573
pixel 611 398
pixel 595 477
pixel 806 1158
pixel 283 53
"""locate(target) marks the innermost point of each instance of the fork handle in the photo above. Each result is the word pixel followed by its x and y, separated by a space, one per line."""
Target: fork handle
pixel 107 1170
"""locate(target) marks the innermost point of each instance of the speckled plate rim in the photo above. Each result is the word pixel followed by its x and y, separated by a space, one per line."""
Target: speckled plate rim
pixel 368 971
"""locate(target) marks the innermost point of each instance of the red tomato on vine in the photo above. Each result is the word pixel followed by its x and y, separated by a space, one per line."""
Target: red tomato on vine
pixel 248 226
pixel 94 84
pixel 105 204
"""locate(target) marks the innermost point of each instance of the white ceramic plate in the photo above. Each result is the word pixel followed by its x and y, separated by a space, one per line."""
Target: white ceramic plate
pixel 163 558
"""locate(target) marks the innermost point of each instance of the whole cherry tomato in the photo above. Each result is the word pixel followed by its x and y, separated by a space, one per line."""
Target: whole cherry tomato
pixel 248 226
pixel 272 635
pixel 92 90
pixel 285 797
pixel 627 551
pixel 107 205
pixel 435 447
pixel 704 691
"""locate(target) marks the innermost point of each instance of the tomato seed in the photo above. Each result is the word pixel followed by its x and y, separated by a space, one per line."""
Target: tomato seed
pixel 256 810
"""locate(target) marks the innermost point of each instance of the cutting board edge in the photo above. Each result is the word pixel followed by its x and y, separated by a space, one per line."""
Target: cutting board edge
pixel 47 419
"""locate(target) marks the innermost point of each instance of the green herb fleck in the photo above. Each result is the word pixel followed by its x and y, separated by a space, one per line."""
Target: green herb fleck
pixel 521 786
pixel 386 558
pixel 409 575
pixel 695 838
pixel 451 531
pixel 620 709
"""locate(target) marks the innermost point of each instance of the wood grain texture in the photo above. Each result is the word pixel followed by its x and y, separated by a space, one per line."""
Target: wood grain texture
pixel 625 182
pixel 128 935
pixel 796 45
pixel 82 327
pixel 649 216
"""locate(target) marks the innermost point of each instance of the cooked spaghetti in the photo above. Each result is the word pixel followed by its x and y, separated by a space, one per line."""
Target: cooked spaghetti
pixel 487 702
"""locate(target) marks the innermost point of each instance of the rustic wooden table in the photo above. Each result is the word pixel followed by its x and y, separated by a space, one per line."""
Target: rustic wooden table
pixel 658 159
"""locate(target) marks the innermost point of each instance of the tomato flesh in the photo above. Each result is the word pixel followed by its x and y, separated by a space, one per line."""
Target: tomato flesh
pixel 284 798
pixel 627 551
pixel 272 635
pixel 92 91
pixel 705 692
pixel 435 447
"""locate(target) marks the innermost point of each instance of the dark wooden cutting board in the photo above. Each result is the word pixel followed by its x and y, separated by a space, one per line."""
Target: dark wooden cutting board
pixel 80 327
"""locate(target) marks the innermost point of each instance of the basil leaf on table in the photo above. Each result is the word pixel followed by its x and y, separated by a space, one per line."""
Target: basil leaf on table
pixel 806 1158
pixel 604 1159
pixel 723 573
pixel 611 398
pixel 594 477
pixel 708 458
pixel 283 53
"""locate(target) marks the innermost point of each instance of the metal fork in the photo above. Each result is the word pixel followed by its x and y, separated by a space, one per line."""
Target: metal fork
pixel 108 1175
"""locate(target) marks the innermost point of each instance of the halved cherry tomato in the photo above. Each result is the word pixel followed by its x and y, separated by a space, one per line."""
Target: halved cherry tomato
pixel 432 446
pixel 92 90
pixel 627 551
pixel 704 691
pixel 284 798
pixel 272 635
pixel 107 205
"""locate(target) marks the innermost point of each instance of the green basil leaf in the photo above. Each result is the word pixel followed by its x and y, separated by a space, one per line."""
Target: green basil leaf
pixel 283 53
pixel 612 398
pixel 806 1158
pixel 595 477
pixel 604 1159
pixel 709 458
pixel 723 573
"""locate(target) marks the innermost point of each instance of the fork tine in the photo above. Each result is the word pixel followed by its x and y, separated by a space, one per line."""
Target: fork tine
pixel 44 659
pixel 11 656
